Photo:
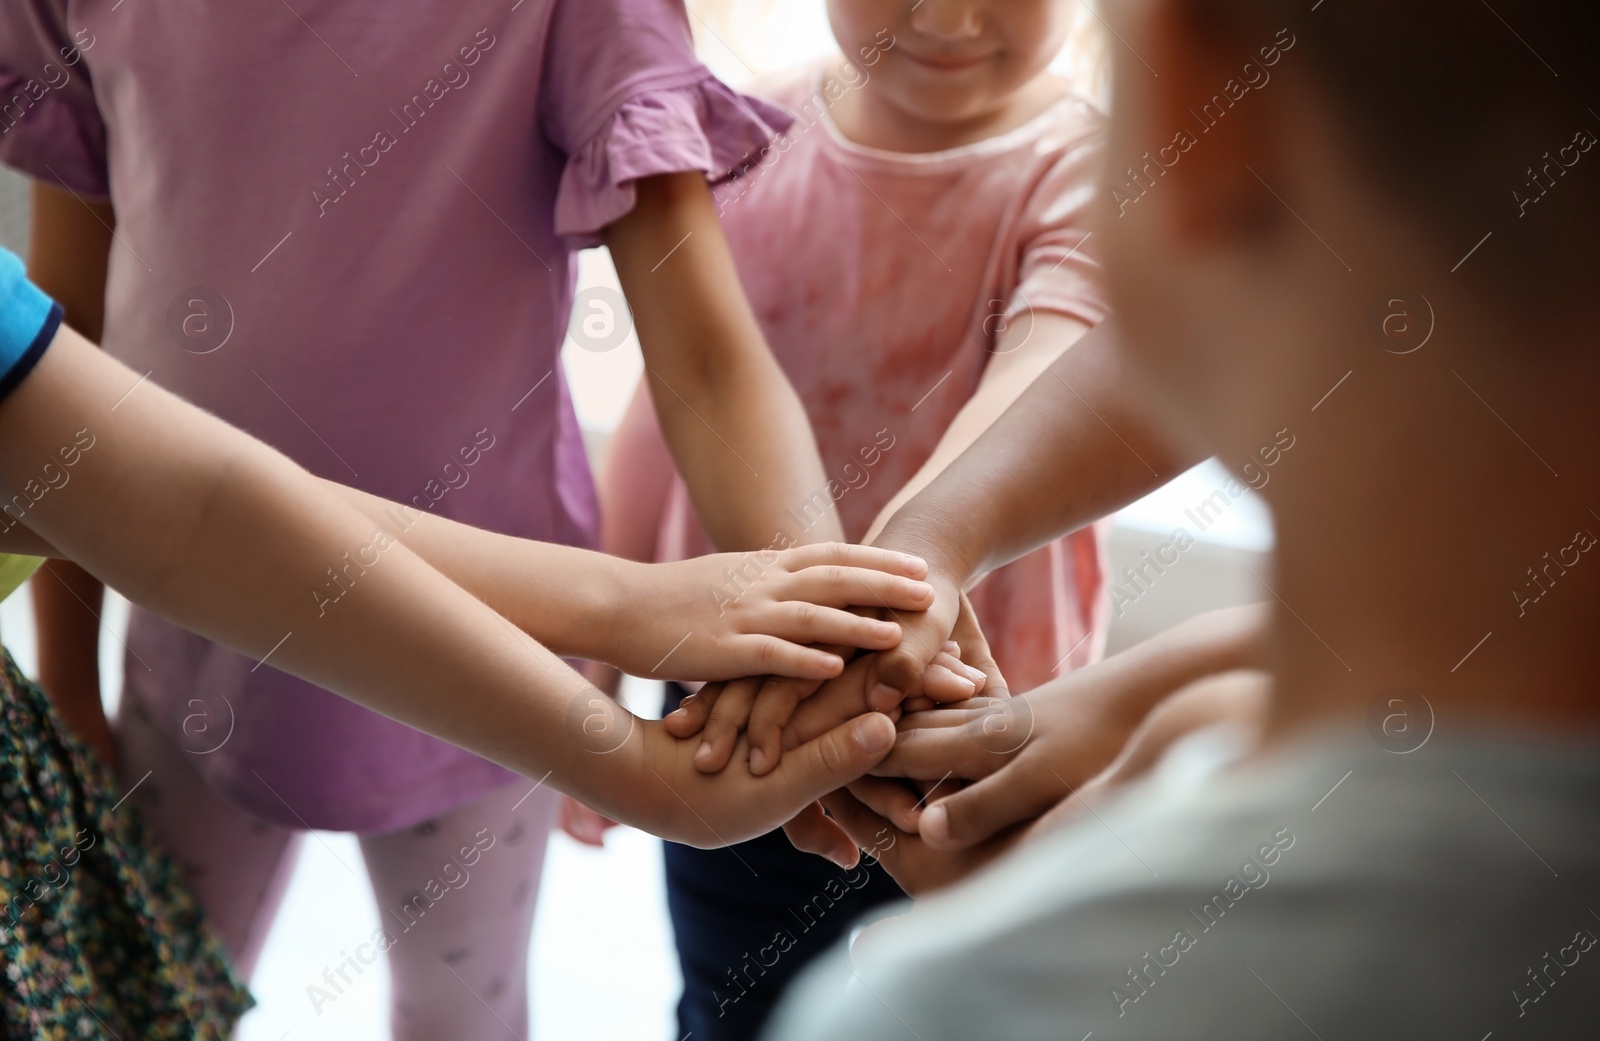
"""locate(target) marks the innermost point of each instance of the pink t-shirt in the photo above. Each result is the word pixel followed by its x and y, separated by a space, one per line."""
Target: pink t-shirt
pixel 348 228
pixel 881 280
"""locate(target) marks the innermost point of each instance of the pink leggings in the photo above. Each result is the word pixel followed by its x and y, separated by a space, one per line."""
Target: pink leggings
pixel 458 961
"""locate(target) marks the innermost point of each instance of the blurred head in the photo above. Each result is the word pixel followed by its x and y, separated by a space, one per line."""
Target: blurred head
pixel 1283 173
pixel 950 61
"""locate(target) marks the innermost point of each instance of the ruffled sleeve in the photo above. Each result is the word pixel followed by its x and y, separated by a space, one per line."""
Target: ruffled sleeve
pixel 703 126
pixel 50 124
pixel 622 96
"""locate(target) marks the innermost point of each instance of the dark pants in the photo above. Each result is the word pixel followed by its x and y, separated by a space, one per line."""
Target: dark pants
pixel 749 917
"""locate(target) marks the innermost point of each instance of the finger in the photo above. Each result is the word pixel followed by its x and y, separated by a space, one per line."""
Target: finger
pixel 774 707
pixel 834 759
pixel 897 672
pixel 836 702
pixel 761 654
pixel 873 558
pixel 943 717
pixel 965 751
pixel 980 810
pixel 947 679
pixel 860 822
pixel 893 800
pixel 689 718
pixel 969 634
pixel 727 719
pixel 801 621
pixel 812 831
pixel 849 587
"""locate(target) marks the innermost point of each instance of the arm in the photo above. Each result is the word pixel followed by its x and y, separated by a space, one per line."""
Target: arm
pixel 1033 757
pixel 1030 344
pixel 682 620
pixel 1027 347
pixel 1078 444
pixel 735 426
pixel 69 247
pixel 1029 752
pixel 203 524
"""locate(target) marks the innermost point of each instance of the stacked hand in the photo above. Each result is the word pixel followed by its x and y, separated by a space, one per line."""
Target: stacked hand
pixel 737 614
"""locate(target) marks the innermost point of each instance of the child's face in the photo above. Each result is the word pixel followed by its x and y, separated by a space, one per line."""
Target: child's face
pixel 947 61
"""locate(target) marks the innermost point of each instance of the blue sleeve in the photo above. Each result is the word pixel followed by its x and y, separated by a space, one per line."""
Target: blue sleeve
pixel 28 322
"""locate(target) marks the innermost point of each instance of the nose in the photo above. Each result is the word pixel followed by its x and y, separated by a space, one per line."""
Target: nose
pixel 948 20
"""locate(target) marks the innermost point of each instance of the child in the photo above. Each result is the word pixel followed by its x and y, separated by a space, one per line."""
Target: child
pixel 351 232
pixel 915 249
pixel 215 530
pixel 1412 852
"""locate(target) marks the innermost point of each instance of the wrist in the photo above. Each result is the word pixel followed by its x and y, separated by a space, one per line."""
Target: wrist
pixel 941 545
pixel 612 593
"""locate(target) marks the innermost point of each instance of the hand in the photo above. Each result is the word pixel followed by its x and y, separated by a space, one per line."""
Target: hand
pixel 583 824
pixel 763 706
pixel 1084 733
pixel 918 867
pixel 1025 754
pixel 912 668
pixel 653 782
pixel 742 614
pixel 812 830
pixel 1240 698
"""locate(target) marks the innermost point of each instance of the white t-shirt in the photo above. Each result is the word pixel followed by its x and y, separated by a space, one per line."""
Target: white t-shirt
pixel 1335 891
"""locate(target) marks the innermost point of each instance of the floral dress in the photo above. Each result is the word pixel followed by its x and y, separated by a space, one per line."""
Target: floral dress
pixel 98 937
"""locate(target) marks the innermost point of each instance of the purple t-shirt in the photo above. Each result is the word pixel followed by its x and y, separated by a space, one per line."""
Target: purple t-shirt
pixel 348 228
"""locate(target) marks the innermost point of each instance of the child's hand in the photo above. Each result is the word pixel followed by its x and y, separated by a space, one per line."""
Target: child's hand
pixel 763 706
pixel 918 867
pixel 913 667
pixel 583 824
pixel 743 614
pixel 662 792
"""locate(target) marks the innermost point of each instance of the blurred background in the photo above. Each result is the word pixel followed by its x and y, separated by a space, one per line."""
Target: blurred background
pixel 603 966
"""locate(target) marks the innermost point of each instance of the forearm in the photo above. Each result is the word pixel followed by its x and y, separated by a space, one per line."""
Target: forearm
pixel 568 599
pixel 227 537
pixel 1010 372
pixel 736 427
pixel 1077 445
pixel 1133 682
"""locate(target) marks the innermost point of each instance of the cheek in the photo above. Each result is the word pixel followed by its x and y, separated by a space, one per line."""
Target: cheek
pixel 856 24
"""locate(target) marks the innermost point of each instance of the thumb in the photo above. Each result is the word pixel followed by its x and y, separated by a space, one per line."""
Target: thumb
pixel 835 759
pixel 982 810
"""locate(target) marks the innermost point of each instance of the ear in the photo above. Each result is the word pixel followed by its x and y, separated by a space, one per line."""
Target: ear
pixel 1202 48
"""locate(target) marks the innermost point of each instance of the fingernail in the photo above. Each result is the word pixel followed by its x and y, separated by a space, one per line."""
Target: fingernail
pixel 935 825
pixel 873 738
pixel 883 696
pixel 703 752
pixel 886 629
pixel 758 760
pixel 976 675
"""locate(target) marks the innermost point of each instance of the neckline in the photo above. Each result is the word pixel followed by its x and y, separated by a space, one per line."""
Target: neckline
pixel 1003 142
